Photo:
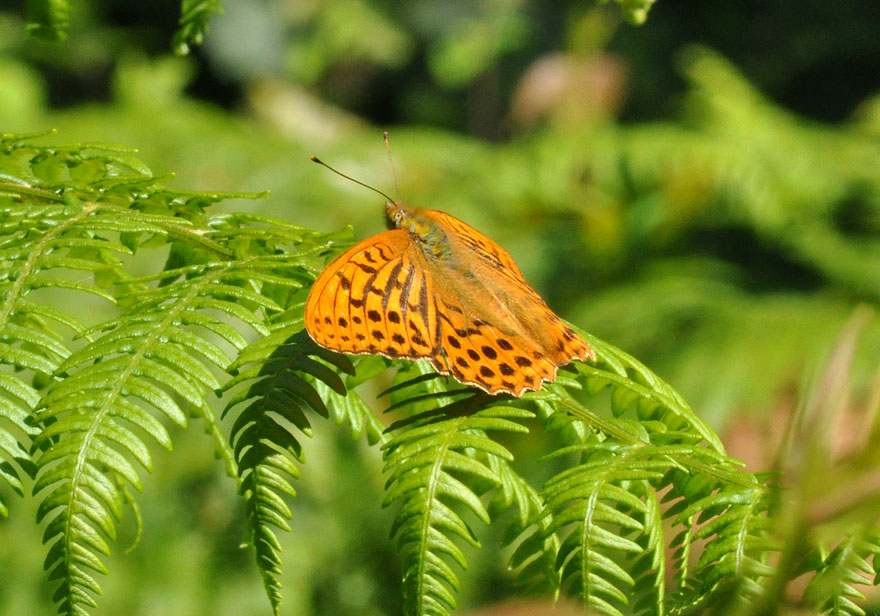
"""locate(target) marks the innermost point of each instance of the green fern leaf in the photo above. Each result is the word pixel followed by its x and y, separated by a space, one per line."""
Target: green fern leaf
pixel 633 382
pixel 734 522
pixel 588 503
pixel 194 18
pixel 431 462
pixel 113 388
pixel 284 383
pixel 833 589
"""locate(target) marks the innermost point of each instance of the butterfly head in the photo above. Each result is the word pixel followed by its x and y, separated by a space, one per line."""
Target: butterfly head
pixel 397 213
pixel 422 227
pixel 402 216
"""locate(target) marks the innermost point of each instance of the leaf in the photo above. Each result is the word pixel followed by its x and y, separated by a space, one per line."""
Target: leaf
pixel 48 19
pixel 433 467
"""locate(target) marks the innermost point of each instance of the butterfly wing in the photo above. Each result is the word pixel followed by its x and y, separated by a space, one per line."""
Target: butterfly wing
pixel 374 298
pixel 491 288
pixel 482 247
pixel 473 314
pixel 480 353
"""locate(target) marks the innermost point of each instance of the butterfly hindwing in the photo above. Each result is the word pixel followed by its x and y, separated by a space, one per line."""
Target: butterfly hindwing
pixel 486 250
pixel 478 353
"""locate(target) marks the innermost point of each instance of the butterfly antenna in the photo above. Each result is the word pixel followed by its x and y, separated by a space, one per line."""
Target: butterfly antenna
pixel 315 159
pixel 391 162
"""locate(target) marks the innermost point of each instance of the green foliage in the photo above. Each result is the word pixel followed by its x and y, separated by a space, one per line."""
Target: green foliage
pixel 48 19
pixel 635 11
pixel 194 18
pixel 266 450
pixel 833 589
pixel 432 466
pixel 633 472
pixel 80 209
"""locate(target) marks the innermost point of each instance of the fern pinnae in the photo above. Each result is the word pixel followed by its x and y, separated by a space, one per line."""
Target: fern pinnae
pixel 633 381
pixel 420 460
pixel 165 353
pixel 28 340
pixel 832 591
pixel 350 408
pixel 282 381
pixel 650 568
pixel 590 498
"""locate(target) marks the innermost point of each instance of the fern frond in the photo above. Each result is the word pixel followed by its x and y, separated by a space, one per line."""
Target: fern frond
pixel 45 237
pixel 283 382
pixel 432 464
pixel 601 507
pixel 599 533
pixel 281 386
pixel 734 522
pixel 649 568
pixel 635 387
pixel 194 18
pixel 832 590
pixel 605 513
pixel 17 399
pixel 65 209
pixel 97 416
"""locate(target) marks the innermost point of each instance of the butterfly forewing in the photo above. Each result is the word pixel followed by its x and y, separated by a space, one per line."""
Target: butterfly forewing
pixel 494 255
pixel 374 299
pixel 336 313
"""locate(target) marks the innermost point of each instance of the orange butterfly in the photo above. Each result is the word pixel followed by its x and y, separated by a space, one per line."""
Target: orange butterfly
pixel 436 288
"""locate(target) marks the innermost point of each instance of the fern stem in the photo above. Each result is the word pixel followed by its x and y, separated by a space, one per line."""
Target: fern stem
pixel 40 193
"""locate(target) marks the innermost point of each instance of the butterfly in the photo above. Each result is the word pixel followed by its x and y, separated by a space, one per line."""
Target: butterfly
pixel 435 288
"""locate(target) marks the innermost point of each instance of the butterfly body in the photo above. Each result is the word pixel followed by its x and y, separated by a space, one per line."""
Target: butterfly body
pixel 436 288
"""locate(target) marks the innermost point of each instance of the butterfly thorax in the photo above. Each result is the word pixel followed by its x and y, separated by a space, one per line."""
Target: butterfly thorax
pixel 430 237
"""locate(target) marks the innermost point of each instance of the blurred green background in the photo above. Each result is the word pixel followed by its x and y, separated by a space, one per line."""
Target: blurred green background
pixel 702 191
